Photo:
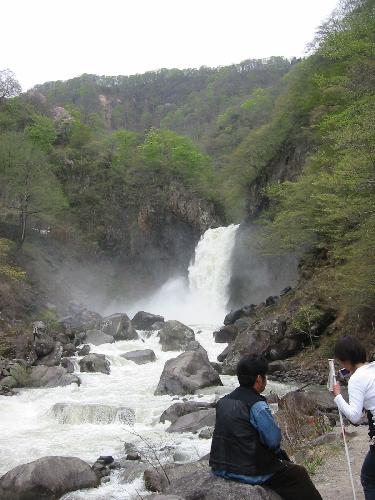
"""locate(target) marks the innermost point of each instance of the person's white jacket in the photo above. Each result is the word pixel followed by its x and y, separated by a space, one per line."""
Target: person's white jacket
pixel 361 389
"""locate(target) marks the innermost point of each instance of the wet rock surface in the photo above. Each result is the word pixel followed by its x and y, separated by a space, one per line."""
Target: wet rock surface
pixel 53 358
pixel 84 350
pixel 53 376
pixel 177 410
pixel 175 336
pixel 194 422
pixel 146 321
pixel 140 357
pixel 67 364
pixel 247 342
pixel 95 363
pixel 97 337
pixel 81 320
pixel 195 481
pixel 131 470
pixel 119 327
pixel 264 331
pixel 6 391
pixel 48 478
pixel 185 374
pixel 226 334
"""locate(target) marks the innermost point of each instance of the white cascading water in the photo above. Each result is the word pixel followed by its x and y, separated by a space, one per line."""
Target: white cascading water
pixel 108 410
pixel 209 274
pixel 202 299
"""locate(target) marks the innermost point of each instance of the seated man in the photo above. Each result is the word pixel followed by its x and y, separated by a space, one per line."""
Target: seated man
pixel 246 440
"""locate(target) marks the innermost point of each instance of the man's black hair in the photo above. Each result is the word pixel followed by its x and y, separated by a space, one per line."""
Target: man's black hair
pixel 249 367
pixel 350 349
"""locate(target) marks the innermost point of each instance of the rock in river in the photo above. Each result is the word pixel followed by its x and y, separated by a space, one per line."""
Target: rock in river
pixel 194 422
pixel 177 410
pixel 53 358
pixel 146 321
pixel 97 337
pixel 185 374
pixel 95 363
pixel 119 327
pixel 51 376
pixel 140 357
pixel 48 478
pixel 175 336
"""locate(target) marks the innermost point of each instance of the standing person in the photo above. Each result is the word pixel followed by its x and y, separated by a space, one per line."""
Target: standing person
pixel 246 440
pixel 361 388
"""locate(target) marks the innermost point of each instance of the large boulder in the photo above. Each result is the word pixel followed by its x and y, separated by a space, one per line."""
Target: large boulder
pixel 97 337
pixel 84 350
pixel 194 422
pixel 119 327
pixel 69 349
pixel 47 478
pixel 247 342
pixel 233 316
pixel 140 357
pixel 177 410
pixel 95 363
pixel 269 336
pixel 195 481
pixel 187 373
pixel 285 348
pixel 279 366
pixel 194 345
pixel 175 336
pixel 226 334
pixel 67 364
pixel 81 320
pixel 51 376
pixel 53 358
pixel 309 401
pixel 43 345
pixel 146 321
pixel 7 391
pixel 131 470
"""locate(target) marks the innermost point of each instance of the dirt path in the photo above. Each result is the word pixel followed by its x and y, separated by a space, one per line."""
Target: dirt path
pixel 332 478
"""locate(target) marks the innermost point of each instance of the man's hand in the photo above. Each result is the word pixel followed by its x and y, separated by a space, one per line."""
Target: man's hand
pixel 336 389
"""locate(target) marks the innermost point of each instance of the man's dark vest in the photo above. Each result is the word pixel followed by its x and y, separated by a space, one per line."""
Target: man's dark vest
pixel 236 445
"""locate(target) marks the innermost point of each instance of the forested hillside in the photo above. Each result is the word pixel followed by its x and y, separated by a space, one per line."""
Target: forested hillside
pixel 136 168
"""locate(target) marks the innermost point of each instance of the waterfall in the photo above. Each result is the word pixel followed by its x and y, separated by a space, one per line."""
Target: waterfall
pixel 209 273
pixel 202 299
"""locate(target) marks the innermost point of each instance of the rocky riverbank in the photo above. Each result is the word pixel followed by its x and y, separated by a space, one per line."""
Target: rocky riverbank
pixel 64 353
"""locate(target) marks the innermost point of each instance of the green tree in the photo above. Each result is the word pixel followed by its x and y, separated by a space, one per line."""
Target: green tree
pixel 29 187
pixel 42 133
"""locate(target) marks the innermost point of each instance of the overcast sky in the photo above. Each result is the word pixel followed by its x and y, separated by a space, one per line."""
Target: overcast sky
pixel 45 40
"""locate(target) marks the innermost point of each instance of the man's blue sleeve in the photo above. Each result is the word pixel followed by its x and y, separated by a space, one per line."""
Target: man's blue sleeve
pixel 261 418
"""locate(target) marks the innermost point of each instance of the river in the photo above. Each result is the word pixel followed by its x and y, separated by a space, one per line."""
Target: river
pixel 87 420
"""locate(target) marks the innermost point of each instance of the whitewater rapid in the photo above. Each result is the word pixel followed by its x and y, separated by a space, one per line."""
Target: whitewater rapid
pixel 32 426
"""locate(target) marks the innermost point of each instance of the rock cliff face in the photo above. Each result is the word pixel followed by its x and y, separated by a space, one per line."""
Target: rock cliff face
pixel 166 229
pixel 254 275
pixel 140 248
pixel 285 166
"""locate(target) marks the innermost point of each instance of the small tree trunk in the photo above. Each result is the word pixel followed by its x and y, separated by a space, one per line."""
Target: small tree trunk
pixel 23 218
